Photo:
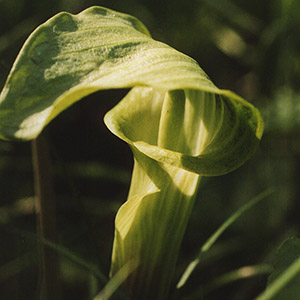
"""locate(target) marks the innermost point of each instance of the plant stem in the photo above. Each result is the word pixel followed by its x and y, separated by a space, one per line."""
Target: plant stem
pixel 45 213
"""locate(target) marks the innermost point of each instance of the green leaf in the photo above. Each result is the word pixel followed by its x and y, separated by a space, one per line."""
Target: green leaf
pixel 67 253
pixel 71 56
pixel 228 278
pixel 284 282
pixel 114 283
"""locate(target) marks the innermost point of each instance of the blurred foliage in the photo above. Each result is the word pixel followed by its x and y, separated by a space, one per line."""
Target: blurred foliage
pixel 287 264
pixel 251 47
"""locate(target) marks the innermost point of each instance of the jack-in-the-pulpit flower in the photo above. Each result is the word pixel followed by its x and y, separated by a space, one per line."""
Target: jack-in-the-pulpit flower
pixel 176 137
pixel 178 124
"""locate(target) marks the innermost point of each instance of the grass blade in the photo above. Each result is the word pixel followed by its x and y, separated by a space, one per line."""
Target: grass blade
pixel 68 254
pixel 230 277
pixel 116 281
pixel 281 281
pixel 218 233
pixel 284 281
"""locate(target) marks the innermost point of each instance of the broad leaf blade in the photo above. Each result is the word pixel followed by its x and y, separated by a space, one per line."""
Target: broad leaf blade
pixel 71 56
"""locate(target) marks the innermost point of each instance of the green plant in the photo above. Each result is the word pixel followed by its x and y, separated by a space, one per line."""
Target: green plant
pixel 179 125
pixel 284 281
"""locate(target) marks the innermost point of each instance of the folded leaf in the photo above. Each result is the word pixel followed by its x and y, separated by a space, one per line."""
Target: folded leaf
pixel 71 56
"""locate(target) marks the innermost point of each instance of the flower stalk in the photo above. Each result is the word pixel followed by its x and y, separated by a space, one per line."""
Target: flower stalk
pixel 46 219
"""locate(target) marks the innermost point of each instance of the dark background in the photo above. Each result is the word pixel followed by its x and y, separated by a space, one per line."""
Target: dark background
pixel 250 47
